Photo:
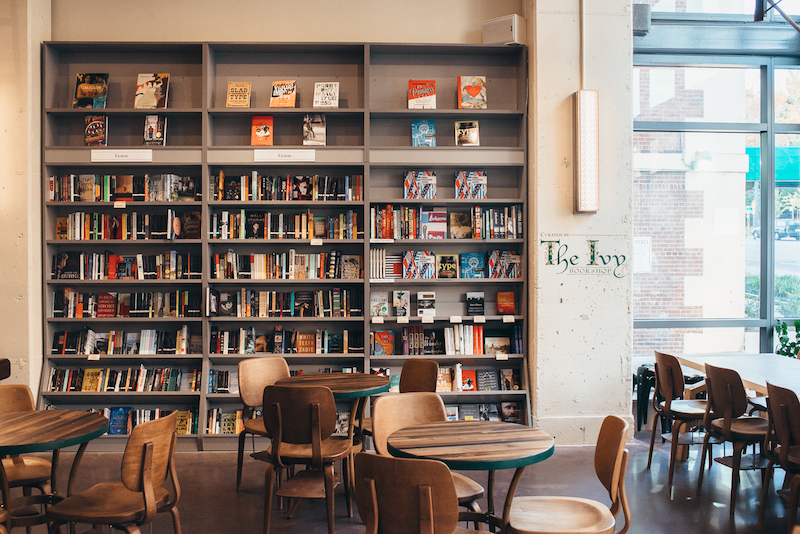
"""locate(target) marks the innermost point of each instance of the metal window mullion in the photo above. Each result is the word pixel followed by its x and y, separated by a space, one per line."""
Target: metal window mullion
pixel 767 304
pixel 710 127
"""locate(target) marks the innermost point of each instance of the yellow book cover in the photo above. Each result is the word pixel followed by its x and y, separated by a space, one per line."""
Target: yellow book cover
pixel 238 95
pixel 284 94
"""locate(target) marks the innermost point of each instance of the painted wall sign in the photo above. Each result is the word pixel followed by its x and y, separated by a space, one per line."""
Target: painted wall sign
pixel 582 255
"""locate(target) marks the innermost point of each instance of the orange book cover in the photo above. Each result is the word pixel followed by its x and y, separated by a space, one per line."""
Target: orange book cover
pixel 261 131
pixel 421 94
pixel 469 380
pixel 505 303
pixel 284 94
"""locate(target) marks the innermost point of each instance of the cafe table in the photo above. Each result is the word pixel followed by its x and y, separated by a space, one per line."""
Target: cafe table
pixel 754 369
pixel 39 431
pixel 477 446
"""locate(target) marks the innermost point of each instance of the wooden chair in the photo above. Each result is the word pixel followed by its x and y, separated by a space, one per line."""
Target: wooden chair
pixel 5 368
pixel 540 515
pixel 254 375
pixel 394 412
pixel 784 417
pixel 3 521
pixel 727 400
pixel 670 386
pixel 24 472
pixel 300 421
pixel 406 496
pixel 146 463
pixel 417 375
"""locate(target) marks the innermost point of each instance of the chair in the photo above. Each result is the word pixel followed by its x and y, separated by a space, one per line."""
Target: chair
pixel 540 515
pixel 5 368
pixel 3 520
pixel 727 400
pixel 670 387
pixel 417 375
pixel 254 375
pixel 405 496
pixel 784 417
pixel 300 421
pixel 394 412
pixel 146 463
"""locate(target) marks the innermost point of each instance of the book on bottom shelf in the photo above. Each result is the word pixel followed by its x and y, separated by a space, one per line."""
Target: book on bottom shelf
pixel 511 412
pixel 469 412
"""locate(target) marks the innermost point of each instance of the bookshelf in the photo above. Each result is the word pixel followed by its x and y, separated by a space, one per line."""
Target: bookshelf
pixel 368 144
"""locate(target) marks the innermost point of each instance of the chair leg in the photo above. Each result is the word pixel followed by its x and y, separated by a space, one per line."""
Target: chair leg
pixel 764 493
pixel 269 478
pixel 240 461
pixel 176 519
pixel 703 463
pixel 791 512
pixel 348 463
pixel 738 448
pixel 652 439
pixel 677 426
pixel 329 495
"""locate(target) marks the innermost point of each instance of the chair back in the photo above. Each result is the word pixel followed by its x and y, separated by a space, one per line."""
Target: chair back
pixel 611 462
pixel 393 412
pixel 418 375
pixel 784 414
pixel 405 496
pixel 669 376
pixel 162 434
pixel 726 394
pixel 16 398
pixel 257 373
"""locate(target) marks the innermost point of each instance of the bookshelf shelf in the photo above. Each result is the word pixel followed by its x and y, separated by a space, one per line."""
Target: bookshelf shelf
pixel 368 136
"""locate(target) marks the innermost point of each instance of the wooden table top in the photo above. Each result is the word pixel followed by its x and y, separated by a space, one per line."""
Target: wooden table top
pixel 473 445
pixel 755 369
pixel 343 385
pixel 46 430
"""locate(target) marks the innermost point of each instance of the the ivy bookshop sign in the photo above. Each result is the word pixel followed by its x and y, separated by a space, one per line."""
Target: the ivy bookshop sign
pixel 583 255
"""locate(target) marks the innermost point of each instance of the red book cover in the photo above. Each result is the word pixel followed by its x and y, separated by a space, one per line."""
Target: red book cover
pixel 505 303
pixel 261 131
pixel 421 94
pixel 469 380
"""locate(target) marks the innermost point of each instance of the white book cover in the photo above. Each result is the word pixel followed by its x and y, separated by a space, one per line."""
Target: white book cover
pixel 326 95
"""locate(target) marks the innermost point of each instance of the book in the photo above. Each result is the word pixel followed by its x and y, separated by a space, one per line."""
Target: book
pixel 468 412
pixel 510 412
pixel 155 130
pixel 351 266
pixel 475 303
pixel 509 379
pixel 487 379
pixel 118 420
pixel 471 184
pixel 96 130
pixel 489 412
pixel 472 92
pixel 67 266
pixel 421 94
pixel 261 131
pixel 284 94
pixel 384 343
pixel 447 266
pixel 497 345
pixel 419 184
pixel 444 381
pixel 451 411
pixel 401 304
pixel 152 91
pixel 426 303
pixel 433 223
pixel 378 305
pixel 467 133
pixel 314 129
pixel 326 95
pixel 86 186
pixel 123 188
pixel 505 303
pixel 238 95
pixel 460 224
pixel 91 90
pixel 423 132
pixel 473 265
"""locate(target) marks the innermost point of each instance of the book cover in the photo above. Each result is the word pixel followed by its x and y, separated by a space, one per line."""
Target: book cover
pixel 261 131
pixel 475 303
pixel 433 223
pixel 427 184
pixel 123 189
pixel 421 94
pixel 326 95
pixel 505 303
pixel 468 412
pixel 238 95
pixel 182 188
pixel 284 94
pixel 451 411
pixel 467 133
pixel 489 412
pixel 477 181
pixel 473 265
pixel 461 224
pixel 510 412
pixel 67 266
pixel 384 343
pixel 118 420
pixel 447 266
pixel 351 266
pixel 444 382
pixel 96 131
pixel 472 92
pixel 410 185
pixel 423 132
pixel 191 224
pixel 314 129
pixel 497 345
pixel 487 379
pixel 425 262
pixel 155 130
pixel 426 303
pixel 91 90
pixel 401 302
pixel 462 191
pixel 378 305
pixel 86 185
pixel 509 379
pixel 152 91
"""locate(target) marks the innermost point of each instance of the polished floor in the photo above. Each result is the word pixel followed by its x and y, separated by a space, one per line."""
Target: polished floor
pixel 210 504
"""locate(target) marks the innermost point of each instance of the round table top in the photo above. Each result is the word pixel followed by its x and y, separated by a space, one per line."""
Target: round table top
pixel 46 430
pixel 473 445
pixel 343 385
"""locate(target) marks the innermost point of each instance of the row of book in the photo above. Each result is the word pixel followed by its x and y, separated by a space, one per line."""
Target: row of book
pixel 146 341
pixel 426 264
pixel 456 378
pixel 124 187
pixel 244 302
pixel 223 381
pixel 91 90
pixel 136 379
pixel 122 419
pixel 69 303
pixel 86 226
pixel 458 339
pixel 423 222
pixel 467 185
pixel 509 412
pixel 285 341
pixel 231 423
pixel 258 187
pixel 314 128
pixel 471 93
pixel 171 265
pixel 400 299
pixel 289 265
pixel 248 224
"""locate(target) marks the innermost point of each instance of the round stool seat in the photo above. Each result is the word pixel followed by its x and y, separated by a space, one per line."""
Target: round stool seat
pixel 551 515
pixel 687 409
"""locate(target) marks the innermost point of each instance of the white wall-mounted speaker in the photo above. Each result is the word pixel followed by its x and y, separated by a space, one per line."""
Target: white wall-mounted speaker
pixel 504 30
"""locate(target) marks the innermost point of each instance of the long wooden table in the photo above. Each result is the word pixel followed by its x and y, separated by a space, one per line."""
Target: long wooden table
pixel 755 369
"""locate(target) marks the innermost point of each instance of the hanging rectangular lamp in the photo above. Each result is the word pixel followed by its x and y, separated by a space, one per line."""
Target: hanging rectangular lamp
pixel 587 151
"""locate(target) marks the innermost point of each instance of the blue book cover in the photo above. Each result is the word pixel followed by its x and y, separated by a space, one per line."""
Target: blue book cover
pixel 118 420
pixel 423 133
pixel 473 265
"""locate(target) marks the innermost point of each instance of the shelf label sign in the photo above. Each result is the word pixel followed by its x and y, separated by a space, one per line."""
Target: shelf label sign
pixel 267 155
pixel 402 320
pixel 135 154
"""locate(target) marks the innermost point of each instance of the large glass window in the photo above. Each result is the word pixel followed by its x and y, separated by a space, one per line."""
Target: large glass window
pixel 787 225
pixel 736 7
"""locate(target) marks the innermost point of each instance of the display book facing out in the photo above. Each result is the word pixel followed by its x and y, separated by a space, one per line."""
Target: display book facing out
pixel 127 281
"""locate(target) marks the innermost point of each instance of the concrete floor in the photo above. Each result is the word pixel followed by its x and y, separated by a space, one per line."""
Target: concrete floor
pixel 210 503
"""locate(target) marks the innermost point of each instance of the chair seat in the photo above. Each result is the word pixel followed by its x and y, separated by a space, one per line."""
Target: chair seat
pixel 334 449
pixel 107 503
pixel 255 426
pixel 460 530
pixel 542 515
pixel 467 489
pixel 751 429
pixel 26 470
pixel 687 409
pixel 366 425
